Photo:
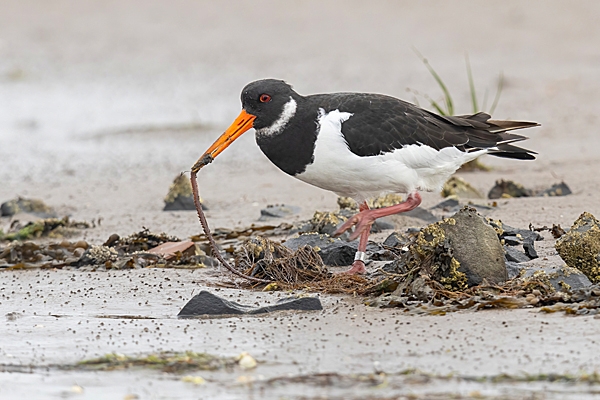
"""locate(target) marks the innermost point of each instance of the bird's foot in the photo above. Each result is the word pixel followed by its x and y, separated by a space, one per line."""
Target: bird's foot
pixel 358 268
pixel 363 221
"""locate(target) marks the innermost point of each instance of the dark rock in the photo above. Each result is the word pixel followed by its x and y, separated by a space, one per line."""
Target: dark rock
pixel 206 303
pixel 476 247
pixel 421 214
pixel 396 239
pixel 334 252
pixel 31 206
pixel 515 255
pixel 181 203
pixel 580 247
pixel 449 204
pixel 558 189
pixel 562 278
pixel 278 211
pixel 512 240
pixel 309 239
pixel 509 189
pixel 530 249
pixel 180 197
pixel 382 224
pixel 513 269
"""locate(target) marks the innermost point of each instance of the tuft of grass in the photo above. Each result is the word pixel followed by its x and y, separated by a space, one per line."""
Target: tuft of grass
pixel 446 107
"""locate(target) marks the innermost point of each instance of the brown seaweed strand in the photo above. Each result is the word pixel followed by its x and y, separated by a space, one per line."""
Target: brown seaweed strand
pixel 211 240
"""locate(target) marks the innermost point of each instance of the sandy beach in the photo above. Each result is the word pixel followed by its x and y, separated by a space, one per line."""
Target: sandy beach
pixel 104 103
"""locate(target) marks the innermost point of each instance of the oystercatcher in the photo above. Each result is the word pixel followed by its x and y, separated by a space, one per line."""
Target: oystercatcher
pixel 363 145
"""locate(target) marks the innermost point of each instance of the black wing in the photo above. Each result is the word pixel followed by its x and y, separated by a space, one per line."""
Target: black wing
pixel 382 124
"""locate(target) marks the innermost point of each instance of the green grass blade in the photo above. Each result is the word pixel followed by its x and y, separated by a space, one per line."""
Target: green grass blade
pixel 471 85
pixel 485 99
pixel 440 82
pixel 437 107
pixel 498 92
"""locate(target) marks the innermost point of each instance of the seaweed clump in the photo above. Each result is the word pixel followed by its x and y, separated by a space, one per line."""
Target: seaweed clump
pixel 266 259
pixel 49 227
pixel 164 361
pixel 431 254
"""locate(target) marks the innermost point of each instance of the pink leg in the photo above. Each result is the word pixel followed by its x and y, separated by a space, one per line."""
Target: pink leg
pixel 358 267
pixel 365 218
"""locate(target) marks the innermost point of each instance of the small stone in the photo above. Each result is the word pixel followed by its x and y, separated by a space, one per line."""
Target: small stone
pixel 458 187
pixel 180 197
pixel 508 189
pixel 31 206
pixel 558 189
pixel 514 255
pixel 278 211
pixel 246 361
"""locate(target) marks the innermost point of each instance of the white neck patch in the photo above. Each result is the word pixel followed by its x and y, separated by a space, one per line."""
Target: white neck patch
pixel 289 110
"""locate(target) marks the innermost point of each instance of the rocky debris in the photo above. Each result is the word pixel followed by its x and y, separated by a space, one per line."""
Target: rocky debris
pixel 180 197
pixel 50 227
pixel 456 186
pixel 580 247
pixel 278 211
pixel 206 303
pixel 512 237
pixel 33 255
pixel 508 189
pixel 31 206
pixel 562 278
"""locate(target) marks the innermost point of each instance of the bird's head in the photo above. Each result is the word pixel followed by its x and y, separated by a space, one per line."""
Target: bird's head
pixel 267 106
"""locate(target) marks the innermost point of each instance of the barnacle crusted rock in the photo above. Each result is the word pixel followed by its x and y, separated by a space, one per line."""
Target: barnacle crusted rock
pixel 580 247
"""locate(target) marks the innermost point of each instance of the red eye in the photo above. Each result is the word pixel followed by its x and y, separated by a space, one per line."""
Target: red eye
pixel 264 98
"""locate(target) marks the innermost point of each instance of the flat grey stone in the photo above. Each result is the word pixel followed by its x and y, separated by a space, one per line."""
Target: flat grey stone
pixel 563 278
pixel 206 303
pixel 513 269
pixel 515 255
pixel 278 211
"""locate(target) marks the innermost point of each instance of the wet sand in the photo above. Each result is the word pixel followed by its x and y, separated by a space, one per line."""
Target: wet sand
pixel 102 104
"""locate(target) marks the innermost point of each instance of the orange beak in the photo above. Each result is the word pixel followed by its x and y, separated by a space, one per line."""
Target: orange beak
pixel 241 124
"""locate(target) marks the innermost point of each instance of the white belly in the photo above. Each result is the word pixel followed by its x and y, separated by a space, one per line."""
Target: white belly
pixel 411 168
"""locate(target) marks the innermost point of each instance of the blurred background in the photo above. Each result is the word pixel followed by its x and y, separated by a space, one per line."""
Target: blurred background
pixel 118 97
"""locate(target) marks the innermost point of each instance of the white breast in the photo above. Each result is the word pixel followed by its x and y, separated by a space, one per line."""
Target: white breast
pixel 411 168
